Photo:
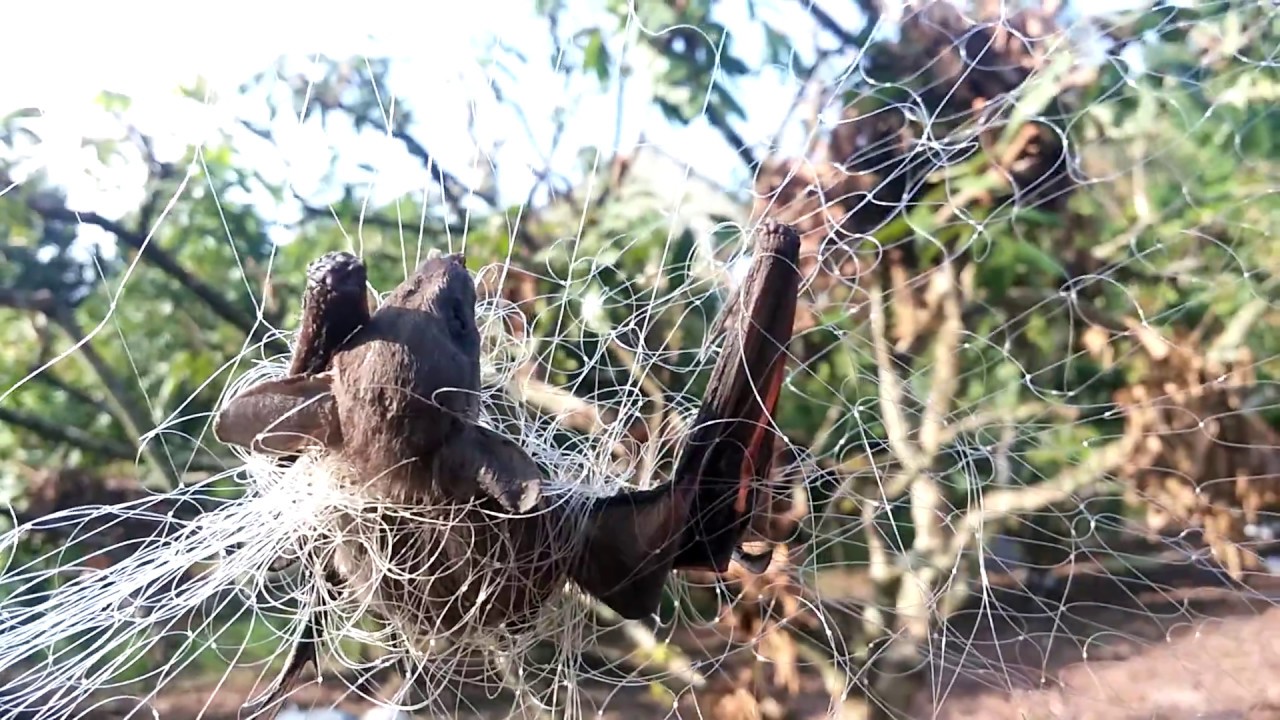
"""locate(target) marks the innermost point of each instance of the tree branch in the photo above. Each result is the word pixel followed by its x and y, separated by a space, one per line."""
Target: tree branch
pixel 946 365
pixel 1234 334
pixel 1013 501
pixel 162 260
pixel 41 301
pixel 740 146
pixel 572 411
pixel 78 438
pixel 454 189
pixel 891 397
pixel 51 379
pixel 312 212
pixel 126 411
pixel 828 23
pixel 67 434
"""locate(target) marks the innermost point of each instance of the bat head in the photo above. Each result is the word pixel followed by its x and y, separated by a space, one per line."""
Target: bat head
pixel 398 386
pixel 423 340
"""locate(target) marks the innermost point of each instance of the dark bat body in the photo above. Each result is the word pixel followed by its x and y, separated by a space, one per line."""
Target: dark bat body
pixel 728 453
pixel 394 396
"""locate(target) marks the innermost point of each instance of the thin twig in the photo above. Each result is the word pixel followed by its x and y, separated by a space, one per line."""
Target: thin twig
pixel 653 392
pixel 126 411
pixel 890 386
pixel 162 260
pixel 828 23
pixel 68 434
pixel 653 650
pixel 946 365
pixel 574 412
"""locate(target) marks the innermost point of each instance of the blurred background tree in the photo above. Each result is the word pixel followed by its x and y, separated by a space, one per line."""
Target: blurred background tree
pixel 1039 307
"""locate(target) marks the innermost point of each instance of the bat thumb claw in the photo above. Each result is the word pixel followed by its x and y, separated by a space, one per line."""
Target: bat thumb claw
pixel 528 496
pixel 521 497
pixel 754 563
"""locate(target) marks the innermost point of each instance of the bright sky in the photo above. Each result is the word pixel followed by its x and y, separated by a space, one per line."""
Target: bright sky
pixel 69 51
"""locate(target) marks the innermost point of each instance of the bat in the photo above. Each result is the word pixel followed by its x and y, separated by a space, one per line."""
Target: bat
pixel 335 304
pixel 394 395
pixel 731 449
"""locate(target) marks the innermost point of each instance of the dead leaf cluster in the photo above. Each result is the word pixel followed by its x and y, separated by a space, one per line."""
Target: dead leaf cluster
pixel 890 154
pixel 1206 460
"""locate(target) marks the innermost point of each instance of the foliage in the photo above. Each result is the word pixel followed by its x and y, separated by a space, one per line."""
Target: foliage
pixel 1073 208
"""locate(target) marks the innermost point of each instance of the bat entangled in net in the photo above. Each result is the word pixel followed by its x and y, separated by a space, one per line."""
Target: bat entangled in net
pixel 380 506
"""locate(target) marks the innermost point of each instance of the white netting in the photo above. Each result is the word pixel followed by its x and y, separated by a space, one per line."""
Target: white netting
pixel 1032 443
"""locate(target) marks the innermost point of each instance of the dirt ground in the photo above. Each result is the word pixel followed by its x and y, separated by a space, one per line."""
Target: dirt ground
pixel 1176 642
pixel 1172 642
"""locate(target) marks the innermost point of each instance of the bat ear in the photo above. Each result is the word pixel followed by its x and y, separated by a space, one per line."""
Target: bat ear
pixel 499 466
pixel 629 545
pixel 282 416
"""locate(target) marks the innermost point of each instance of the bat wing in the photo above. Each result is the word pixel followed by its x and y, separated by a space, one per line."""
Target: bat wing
pixel 629 543
pixel 282 416
pixel 286 416
pixel 305 651
pixel 757 463
pixel 731 446
pixel 480 458
pixel 623 544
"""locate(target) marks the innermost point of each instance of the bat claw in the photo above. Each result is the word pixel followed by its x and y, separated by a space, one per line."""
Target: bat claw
pixel 754 563
pixel 519 498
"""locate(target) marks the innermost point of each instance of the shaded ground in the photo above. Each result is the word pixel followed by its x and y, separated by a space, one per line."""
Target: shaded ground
pixel 1175 641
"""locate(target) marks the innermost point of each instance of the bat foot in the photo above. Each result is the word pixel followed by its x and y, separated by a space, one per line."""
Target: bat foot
pixel 719 563
pixel 337 271
pixel 754 563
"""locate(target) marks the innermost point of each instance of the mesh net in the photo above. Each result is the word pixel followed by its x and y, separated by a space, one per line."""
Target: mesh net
pixel 1029 436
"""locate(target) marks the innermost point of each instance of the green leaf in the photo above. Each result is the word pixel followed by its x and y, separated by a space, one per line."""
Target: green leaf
pixel 114 102
pixel 730 65
pixel 1038 92
pixel 726 105
pixel 595 56
pixel 778 49
pixel 1028 253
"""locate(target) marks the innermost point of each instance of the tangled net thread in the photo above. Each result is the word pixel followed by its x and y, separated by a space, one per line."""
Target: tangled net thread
pixel 69 632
